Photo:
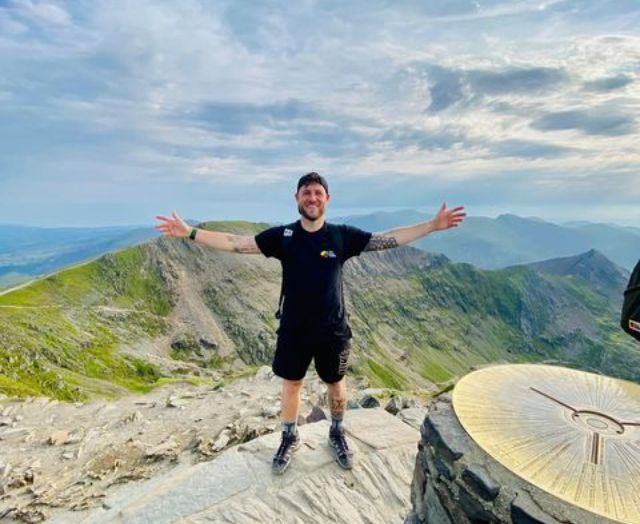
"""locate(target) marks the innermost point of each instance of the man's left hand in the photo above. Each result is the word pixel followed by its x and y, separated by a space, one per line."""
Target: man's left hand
pixel 447 218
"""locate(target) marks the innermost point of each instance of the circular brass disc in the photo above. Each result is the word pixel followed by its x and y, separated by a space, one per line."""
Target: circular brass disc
pixel 573 434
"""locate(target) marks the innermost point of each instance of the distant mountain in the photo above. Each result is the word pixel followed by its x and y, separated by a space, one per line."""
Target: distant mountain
pixel 172 308
pixel 509 239
pixel 592 267
pixel 27 252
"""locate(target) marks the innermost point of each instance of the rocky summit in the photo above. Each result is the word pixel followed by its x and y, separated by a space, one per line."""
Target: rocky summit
pixel 79 461
pixel 238 486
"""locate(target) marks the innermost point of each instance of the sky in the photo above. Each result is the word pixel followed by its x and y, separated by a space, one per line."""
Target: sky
pixel 112 112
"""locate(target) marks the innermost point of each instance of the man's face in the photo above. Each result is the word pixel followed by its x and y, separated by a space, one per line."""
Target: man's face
pixel 312 200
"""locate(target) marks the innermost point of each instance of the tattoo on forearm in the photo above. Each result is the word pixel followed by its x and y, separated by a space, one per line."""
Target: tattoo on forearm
pixel 243 245
pixel 379 242
pixel 337 407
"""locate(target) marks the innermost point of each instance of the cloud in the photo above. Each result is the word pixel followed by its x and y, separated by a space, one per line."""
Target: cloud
pixel 447 94
pixel 448 87
pixel 521 80
pixel 610 83
pixel 530 149
pixel 442 8
pixel 236 118
pixel 601 120
pixel 47 12
pixel 39 11
pixel 399 138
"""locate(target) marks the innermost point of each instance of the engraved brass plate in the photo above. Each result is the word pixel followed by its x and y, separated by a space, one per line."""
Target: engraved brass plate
pixel 573 434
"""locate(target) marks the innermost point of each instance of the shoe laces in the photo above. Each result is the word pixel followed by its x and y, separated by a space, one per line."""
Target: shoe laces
pixel 285 444
pixel 341 443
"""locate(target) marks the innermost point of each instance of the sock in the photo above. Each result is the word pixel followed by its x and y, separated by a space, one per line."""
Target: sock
pixel 336 423
pixel 289 428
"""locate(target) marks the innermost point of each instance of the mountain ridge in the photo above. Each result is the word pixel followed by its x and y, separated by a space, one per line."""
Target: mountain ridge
pixel 510 239
pixel 173 308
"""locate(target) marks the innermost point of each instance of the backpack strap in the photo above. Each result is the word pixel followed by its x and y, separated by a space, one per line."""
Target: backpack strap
pixel 630 317
pixel 287 238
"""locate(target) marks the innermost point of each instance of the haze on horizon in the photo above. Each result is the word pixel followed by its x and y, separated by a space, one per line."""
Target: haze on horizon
pixel 116 111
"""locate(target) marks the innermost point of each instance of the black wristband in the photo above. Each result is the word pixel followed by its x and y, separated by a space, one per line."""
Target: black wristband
pixel 193 233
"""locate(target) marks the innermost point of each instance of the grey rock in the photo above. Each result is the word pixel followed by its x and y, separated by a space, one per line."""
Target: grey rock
pixel 59 438
pixel 436 512
pixel 222 440
pixel 394 405
pixel 374 391
pixel 413 416
pixel 473 508
pixel 264 373
pixel 174 402
pixel 444 431
pixel 525 511
pixel 443 468
pixel 409 403
pixel 238 487
pixel 369 401
pixel 478 479
pixel 167 449
pixel 317 414
pixel 271 411
pixel 15 432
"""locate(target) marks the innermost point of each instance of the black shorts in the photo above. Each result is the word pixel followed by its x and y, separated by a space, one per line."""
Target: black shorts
pixel 294 353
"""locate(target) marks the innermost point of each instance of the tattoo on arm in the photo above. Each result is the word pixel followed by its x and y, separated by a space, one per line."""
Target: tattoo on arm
pixel 338 406
pixel 379 242
pixel 243 244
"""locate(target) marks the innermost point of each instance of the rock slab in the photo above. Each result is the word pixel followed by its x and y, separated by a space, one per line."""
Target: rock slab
pixel 238 486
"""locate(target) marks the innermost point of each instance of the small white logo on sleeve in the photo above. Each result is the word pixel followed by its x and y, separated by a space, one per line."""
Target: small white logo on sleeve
pixel 634 326
pixel 288 232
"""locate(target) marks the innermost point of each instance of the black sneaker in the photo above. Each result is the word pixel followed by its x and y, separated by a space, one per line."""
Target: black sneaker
pixel 340 448
pixel 282 458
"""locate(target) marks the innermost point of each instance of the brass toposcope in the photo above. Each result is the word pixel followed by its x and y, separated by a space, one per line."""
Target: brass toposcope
pixel 576 435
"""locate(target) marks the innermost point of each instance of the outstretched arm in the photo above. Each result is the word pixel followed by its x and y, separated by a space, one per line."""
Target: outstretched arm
pixel 174 226
pixel 444 219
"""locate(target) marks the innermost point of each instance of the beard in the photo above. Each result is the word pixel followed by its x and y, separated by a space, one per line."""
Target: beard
pixel 308 216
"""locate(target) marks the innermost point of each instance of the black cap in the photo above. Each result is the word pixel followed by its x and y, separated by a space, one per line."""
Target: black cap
pixel 313 178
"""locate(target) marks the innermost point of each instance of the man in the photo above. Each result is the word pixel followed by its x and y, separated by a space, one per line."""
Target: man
pixel 313 320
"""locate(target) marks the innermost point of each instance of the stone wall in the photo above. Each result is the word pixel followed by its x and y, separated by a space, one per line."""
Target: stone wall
pixel 456 482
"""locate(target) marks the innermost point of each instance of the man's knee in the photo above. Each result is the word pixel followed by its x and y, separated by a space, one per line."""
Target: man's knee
pixel 292 386
pixel 336 387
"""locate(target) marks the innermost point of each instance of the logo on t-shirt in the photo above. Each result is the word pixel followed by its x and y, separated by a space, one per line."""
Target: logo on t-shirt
pixel 327 254
pixel 287 232
pixel 634 326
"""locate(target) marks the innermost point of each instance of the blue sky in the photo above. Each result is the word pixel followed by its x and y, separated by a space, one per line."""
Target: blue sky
pixel 115 111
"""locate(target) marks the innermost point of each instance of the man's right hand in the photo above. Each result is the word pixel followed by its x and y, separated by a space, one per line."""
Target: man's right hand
pixel 173 226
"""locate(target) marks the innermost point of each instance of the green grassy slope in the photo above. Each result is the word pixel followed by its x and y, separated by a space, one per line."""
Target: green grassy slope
pixel 415 318
pixel 54 334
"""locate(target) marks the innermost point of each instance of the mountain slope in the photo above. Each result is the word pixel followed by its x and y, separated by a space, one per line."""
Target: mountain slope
pixel 509 240
pixel 26 252
pixel 172 308
pixel 593 267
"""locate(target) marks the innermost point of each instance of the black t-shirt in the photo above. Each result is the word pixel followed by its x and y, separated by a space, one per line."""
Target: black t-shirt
pixel 312 274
